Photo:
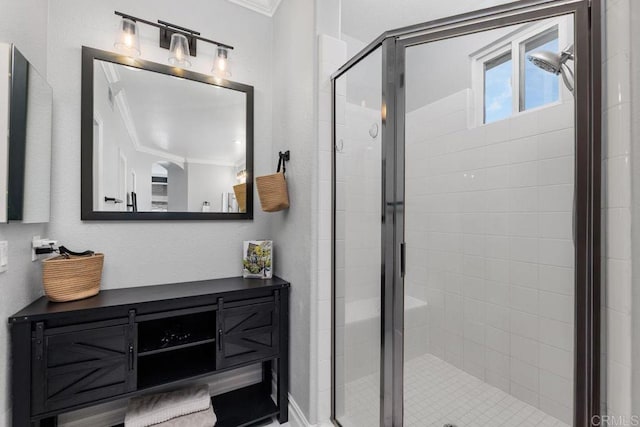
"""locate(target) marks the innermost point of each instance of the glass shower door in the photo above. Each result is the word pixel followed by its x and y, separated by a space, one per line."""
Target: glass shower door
pixel 489 193
pixel 357 244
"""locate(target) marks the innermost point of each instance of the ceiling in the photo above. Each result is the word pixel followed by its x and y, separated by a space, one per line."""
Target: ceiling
pixel 199 122
pixel 266 7
pixel 366 19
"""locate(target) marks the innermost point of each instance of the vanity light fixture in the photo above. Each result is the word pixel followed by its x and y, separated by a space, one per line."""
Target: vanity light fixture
pixel 128 37
pixel 180 41
pixel 179 51
pixel 221 66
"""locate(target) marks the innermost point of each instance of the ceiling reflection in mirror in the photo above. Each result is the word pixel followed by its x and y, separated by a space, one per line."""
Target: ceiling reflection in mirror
pixel 163 143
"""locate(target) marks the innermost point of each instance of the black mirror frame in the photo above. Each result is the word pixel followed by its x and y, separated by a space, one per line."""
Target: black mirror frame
pixel 87 213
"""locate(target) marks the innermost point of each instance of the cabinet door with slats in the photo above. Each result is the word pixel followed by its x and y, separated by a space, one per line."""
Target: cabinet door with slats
pixel 83 366
pixel 247 333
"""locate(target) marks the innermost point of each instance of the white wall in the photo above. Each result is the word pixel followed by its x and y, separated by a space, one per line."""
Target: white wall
pixel 367 19
pixel 73 23
pixel 294 129
pixel 25 24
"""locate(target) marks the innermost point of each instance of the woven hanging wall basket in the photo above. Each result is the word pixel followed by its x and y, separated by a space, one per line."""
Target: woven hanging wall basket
pixel 273 193
pixel 272 189
pixel 70 278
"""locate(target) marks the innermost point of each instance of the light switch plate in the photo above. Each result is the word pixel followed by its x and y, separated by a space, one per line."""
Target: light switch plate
pixel 4 256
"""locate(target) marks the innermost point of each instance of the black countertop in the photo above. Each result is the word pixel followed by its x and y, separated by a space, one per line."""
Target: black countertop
pixel 42 307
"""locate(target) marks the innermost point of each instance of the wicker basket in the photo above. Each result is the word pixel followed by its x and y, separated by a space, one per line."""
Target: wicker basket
pixel 273 192
pixel 70 278
pixel 241 196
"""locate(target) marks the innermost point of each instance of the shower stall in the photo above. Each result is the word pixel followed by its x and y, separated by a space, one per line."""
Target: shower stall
pixel 466 217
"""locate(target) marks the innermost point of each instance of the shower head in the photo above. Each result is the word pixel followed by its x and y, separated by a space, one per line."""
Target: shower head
pixel 548 61
pixel 555 63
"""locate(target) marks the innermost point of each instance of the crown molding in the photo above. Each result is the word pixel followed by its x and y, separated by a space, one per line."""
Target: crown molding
pixel 265 7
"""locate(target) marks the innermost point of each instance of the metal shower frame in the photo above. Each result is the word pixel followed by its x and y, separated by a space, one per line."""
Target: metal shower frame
pixel 588 128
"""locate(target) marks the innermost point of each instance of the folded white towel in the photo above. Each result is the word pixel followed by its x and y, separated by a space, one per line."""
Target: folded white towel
pixel 149 410
pixel 199 419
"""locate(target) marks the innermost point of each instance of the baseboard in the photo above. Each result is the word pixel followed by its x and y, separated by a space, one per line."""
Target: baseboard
pixel 113 413
pixel 298 419
pixel 296 416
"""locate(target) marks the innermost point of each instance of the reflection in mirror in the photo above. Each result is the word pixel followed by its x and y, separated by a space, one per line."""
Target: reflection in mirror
pixel 163 143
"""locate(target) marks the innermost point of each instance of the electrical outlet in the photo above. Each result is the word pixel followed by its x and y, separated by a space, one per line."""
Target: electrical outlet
pixel 4 256
pixel 38 243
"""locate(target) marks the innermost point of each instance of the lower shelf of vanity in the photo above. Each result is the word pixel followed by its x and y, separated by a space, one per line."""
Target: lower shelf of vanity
pixel 232 410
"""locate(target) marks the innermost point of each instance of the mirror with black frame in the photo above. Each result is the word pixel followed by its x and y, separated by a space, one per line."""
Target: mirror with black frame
pixel 160 142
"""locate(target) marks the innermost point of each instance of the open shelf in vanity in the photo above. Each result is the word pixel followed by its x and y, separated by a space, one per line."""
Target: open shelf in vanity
pixel 157 334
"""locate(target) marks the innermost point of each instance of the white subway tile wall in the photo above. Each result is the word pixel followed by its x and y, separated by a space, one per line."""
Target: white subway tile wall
pixel 489 246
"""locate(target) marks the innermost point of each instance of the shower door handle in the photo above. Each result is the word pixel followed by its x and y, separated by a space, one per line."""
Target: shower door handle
pixel 403 258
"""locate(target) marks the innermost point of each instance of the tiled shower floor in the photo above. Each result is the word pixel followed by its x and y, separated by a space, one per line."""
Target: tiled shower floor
pixel 437 393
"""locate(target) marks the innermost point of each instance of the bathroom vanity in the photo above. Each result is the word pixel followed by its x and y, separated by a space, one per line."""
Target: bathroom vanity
pixel 134 341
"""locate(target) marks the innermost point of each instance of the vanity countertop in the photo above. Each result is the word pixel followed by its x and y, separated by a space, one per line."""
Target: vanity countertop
pixel 124 297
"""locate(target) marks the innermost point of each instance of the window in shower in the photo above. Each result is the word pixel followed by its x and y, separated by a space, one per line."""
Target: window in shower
pixel 498 96
pixel 507 82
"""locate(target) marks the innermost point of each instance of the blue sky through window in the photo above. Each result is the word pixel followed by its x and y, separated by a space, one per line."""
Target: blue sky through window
pixel 498 94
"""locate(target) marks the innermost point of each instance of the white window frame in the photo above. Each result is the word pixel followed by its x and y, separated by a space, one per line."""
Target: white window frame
pixel 514 43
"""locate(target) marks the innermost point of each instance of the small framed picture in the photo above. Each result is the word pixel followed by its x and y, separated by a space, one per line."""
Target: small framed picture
pixel 257 259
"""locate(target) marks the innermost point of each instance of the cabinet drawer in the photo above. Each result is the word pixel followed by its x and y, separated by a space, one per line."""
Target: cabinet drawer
pixel 247 333
pixel 81 366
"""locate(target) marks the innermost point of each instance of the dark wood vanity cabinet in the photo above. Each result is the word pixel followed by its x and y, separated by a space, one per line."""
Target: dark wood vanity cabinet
pixel 135 341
